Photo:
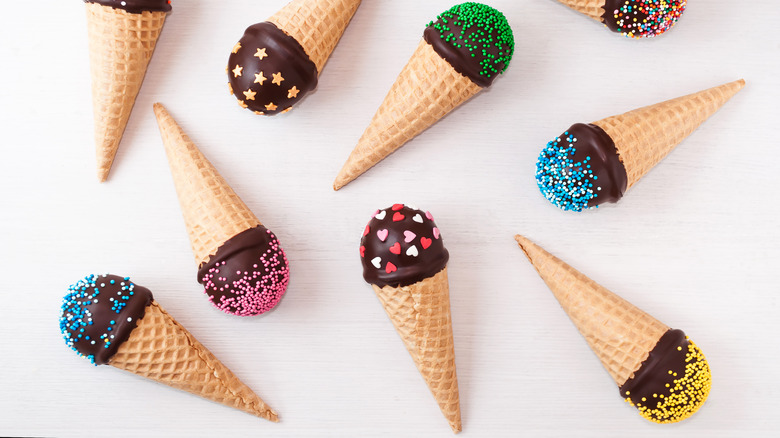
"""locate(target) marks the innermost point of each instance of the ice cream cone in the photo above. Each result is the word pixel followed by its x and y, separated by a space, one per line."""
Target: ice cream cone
pixel 426 90
pixel 316 24
pixel 421 315
pixel 120 47
pixel 160 349
pixel 213 212
pixel 592 8
pixel 645 136
pixel 620 334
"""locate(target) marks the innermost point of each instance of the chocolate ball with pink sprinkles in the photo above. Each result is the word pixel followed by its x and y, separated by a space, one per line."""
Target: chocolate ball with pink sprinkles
pixel 248 275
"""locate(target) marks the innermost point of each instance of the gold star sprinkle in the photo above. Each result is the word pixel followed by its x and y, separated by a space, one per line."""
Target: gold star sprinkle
pixel 286 111
pixel 237 47
pixel 293 92
pixel 250 95
pixel 259 113
pixel 277 78
pixel 261 53
pixel 259 78
pixel 271 107
pixel 242 104
pixel 237 71
pixel 230 87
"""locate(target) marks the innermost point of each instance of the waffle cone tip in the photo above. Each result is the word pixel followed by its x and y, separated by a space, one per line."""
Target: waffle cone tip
pixel 102 172
pixel 341 180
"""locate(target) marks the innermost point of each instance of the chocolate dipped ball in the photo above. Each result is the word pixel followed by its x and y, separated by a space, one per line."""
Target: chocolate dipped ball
pixel 248 274
pixel 401 246
pixel 99 313
pixel 277 62
pixel 135 6
pixel 642 18
pixel 632 18
pixel 273 77
pixel 672 383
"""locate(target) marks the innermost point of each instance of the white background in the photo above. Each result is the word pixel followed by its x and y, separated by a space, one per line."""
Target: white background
pixel 695 243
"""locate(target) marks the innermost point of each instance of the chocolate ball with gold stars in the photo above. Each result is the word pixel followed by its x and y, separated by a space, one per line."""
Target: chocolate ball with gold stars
pixel 277 62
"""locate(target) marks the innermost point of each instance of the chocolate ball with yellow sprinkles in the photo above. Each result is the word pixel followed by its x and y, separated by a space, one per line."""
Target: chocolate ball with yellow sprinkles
pixel 592 164
pixel 277 62
pixel 632 18
pixel 110 320
pixel 658 370
pixel 461 53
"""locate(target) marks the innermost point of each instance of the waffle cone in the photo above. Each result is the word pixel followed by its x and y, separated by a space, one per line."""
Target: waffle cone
pixel 645 136
pixel 160 349
pixel 213 213
pixel 120 47
pixel 592 8
pixel 421 316
pixel 426 90
pixel 620 334
pixel 316 24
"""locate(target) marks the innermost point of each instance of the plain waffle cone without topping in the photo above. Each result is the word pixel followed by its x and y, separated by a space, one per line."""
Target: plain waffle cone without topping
pixel 426 90
pixel 213 212
pixel 120 47
pixel 620 334
pixel 160 349
pixel 592 8
pixel 645 136
pixel 421 316
pixel 317 25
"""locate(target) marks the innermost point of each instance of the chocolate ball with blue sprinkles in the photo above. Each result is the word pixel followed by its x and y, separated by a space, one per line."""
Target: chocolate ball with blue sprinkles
pixel 581 169
pixel 99 313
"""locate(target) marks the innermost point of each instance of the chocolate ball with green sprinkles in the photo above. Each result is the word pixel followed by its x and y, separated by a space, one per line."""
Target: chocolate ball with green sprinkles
pixel 461 53
pixel 475 39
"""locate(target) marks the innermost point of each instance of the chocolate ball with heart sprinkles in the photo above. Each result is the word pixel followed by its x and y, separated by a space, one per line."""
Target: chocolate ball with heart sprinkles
pixel 401 246
pixel 277 62
pixel 404 260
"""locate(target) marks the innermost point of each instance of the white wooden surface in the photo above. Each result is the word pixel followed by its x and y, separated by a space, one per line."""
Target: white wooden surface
pixel 695 243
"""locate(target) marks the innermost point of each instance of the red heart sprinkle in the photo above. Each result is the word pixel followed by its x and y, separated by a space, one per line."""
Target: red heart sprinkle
pixel 365 233
pixel 397 207
pixel 426 242
pixel 398 217
pixel 396 249
pixel 362 251
pixel 390 268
